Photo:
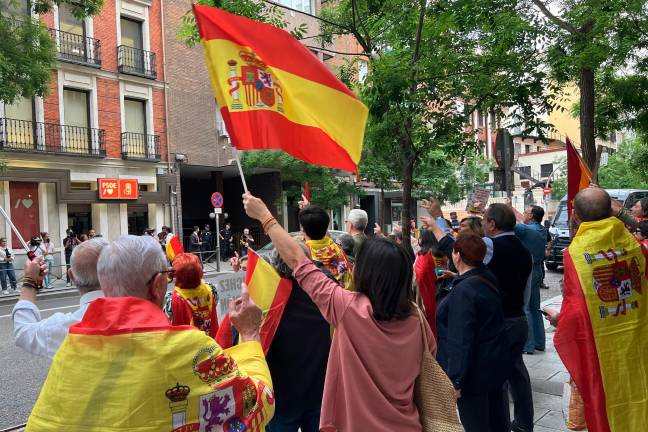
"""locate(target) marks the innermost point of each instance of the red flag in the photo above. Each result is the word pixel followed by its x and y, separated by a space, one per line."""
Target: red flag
pixel 307 192
pixel 174 247
pixel 579 175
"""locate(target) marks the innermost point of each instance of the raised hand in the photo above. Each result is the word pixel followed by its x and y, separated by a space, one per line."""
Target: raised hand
pixel 304 202
pixel 378 232
pixel 433 207
pixel 245 315
pixel 255 207
pixel 235 262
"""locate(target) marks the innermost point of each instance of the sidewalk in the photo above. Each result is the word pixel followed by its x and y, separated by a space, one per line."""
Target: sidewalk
pixel 548 376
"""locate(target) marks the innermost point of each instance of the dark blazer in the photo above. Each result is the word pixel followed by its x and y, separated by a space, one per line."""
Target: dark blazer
pixel 473 347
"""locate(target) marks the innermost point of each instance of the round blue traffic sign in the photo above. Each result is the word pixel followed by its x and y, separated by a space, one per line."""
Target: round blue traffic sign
pixel 217 200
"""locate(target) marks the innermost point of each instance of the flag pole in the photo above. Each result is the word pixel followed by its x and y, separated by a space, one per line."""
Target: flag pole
pixel 238 163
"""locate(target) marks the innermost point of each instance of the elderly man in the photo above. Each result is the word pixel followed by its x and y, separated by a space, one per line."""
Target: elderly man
pixel 600 336
pixel 44 336
pixel 511 263
pixel 356 223
pixel 125 368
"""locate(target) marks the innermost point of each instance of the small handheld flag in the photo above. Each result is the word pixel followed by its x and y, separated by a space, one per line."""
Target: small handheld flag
pixel 274 93
pixel 579 175
pixel 174 247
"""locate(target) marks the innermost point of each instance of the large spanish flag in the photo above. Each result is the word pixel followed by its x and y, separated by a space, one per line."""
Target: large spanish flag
pixel 124 368
pixel 601 335
pixel 269 291
pixel 274 93
pixel 579 175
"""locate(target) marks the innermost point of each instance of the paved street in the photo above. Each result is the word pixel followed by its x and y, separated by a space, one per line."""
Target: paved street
pixel 23 374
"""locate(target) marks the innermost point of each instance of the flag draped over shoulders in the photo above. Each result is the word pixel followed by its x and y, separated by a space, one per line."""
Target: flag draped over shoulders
pixel 196 307
pixel 601 336
pixel 124 368
pixel 331 255
pixel 273 93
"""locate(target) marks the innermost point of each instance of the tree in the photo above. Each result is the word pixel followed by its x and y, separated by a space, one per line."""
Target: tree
pixel 592 41
pixel 627 168
pixel 27 52
pixel 327 189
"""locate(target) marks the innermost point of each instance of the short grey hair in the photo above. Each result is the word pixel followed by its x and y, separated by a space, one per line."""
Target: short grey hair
pixel 358 219
pixel 83 263
pixel 127 264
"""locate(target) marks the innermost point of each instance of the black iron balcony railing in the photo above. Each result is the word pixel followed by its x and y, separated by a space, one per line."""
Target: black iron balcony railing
pixel 76 48
pixel 135 61
pixel 37 137
pixel 140 146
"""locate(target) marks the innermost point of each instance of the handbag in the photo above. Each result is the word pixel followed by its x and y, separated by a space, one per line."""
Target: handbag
pixel 434 394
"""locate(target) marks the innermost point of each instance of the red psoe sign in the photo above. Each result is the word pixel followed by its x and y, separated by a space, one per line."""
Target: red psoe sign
pixel 111 189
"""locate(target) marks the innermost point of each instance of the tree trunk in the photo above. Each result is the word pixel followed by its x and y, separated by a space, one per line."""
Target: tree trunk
pixel 408 174
pixel 588 145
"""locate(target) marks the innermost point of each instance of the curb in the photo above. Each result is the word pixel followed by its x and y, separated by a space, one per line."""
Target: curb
pixel 53 293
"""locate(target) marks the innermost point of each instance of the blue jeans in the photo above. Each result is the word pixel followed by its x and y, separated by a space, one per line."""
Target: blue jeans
pixel 307 421
pixel 7 269
pixel 536 336
pixel 49 260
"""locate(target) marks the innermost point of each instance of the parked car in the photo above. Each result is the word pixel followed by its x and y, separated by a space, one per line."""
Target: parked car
pixel 559 227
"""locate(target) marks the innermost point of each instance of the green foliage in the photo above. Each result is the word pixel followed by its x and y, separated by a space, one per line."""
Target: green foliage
pixel 559 183
pixel 627 168
pixel 27 52
pixel 256 10
pixel 327 189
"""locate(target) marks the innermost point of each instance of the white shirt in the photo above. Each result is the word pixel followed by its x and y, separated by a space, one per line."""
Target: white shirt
pixel 43 337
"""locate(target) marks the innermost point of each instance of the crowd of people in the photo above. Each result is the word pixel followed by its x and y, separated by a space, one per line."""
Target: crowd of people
pixel 347 350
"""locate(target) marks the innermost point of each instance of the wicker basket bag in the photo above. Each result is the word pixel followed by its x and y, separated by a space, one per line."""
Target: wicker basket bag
pixel 434 394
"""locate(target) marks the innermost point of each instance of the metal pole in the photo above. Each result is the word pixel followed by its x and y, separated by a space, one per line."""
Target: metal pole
pixel 218 256
pixel 15 230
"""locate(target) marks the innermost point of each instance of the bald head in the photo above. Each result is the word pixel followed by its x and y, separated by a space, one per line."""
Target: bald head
pixel 592 204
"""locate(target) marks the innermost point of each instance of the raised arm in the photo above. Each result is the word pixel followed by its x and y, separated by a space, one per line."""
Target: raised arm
pixel 518 216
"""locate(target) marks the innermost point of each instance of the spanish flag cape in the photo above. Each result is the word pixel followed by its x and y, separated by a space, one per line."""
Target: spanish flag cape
pixel 331 255
pixel 602 335
pixel 273 93
pixel 270 292
pixel 124 368
pixel 196 307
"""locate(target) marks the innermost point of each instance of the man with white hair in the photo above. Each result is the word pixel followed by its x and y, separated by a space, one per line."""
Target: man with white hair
pixel 125 368
pixel 356 223
pixel 44 336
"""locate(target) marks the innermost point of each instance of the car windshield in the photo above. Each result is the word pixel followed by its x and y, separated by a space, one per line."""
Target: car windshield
pixel 560 221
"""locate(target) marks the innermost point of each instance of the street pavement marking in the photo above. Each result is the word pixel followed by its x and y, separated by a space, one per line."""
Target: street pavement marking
pixel 47 310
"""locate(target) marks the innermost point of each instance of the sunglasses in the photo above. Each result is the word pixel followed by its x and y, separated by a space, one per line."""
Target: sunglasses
pixel 169 272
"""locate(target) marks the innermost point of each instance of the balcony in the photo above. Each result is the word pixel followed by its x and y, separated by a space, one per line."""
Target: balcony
pixel 138 146
pixel 134 61
pixel 37 137
pixel 74 48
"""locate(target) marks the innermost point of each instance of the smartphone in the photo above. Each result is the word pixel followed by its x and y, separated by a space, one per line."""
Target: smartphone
pixel 543 312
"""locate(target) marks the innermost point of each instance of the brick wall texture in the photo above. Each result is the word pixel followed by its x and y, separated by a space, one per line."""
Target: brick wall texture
pixel 107 78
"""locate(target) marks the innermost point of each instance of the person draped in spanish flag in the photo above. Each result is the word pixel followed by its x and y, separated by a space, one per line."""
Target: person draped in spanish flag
pixel 125 368
pixel 193 301
pixel 314 222
pixel 601 334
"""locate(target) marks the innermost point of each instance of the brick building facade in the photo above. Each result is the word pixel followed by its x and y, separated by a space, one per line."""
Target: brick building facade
pixel 104 118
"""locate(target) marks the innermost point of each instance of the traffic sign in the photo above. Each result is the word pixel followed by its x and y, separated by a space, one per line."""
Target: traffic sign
pixel 547 190
pixel 218 210
pixel 217 200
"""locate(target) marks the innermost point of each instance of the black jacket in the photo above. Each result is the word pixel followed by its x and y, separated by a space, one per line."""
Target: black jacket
pixel 473 348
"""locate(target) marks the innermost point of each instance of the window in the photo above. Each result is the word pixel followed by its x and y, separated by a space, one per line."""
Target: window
pixel 518 149
pixel 135 127
pixel 525 169
pixel 546 170
pixel 19 124
pixel 527 149
pixel 15 7
pixel 68 22
pixel 76 119
pixel 300 5
pixel 79 218
pixel 137 219
pixel 131 33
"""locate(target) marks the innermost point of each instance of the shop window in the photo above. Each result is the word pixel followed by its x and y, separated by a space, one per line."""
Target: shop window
pixel 79 218
pixel 137 219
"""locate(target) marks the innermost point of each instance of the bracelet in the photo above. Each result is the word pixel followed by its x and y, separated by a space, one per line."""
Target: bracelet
pixel 272 223
pixel 26 284
pixel 267 223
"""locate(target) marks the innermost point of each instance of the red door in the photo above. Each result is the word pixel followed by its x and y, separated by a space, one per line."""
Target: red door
pixel 24 210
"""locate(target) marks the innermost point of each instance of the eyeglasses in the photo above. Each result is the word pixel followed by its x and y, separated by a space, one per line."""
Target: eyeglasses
pixel 170 275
